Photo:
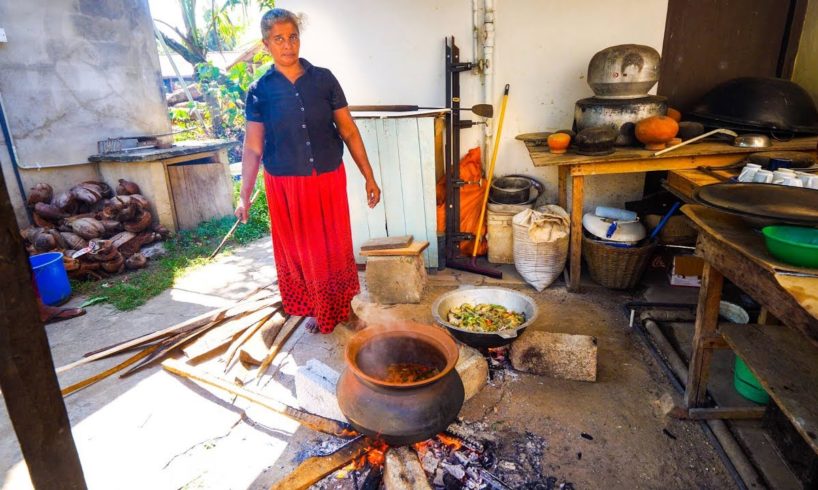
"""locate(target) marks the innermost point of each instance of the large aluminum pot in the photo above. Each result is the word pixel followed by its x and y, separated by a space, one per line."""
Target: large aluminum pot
pixel 619 114
pixel 509 298
pixel 624 72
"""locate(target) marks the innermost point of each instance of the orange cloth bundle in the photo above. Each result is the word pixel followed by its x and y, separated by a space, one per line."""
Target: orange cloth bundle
pixel 471 199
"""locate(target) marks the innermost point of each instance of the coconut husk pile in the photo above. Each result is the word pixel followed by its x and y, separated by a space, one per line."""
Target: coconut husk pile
pixel 99 230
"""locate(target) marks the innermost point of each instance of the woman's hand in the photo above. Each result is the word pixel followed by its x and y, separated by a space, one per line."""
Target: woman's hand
pixel 242 210
pixel 373 193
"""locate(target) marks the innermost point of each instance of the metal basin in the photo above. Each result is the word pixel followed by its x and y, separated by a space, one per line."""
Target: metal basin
pixel 509 298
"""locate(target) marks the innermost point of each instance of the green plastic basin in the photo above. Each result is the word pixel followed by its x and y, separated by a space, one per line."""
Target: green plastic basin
pixel 747 384
pixel 796 245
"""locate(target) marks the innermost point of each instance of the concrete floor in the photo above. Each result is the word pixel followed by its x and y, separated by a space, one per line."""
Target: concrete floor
pixel 156 431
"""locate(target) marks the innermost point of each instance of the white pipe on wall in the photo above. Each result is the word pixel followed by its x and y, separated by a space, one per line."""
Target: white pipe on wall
pixel 488 62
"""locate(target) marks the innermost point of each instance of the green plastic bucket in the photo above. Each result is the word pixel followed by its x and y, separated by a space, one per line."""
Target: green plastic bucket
pixel 747 384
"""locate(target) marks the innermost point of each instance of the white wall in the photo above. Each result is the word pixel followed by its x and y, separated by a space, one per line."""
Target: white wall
pixel 391 52
pixel 74 72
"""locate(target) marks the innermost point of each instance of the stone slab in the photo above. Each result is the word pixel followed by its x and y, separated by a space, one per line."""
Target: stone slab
pixel 558 355
pixel 315 389
pixel 473 369
pixel 395 280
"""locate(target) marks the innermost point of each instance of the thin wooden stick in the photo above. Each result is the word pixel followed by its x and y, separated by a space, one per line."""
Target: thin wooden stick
pixel 286 330
pixel 236 345
pixel 108 372
pixel 312 470
pixel 311 421
pixel 184 338
pixel 233 228
pixel 187 325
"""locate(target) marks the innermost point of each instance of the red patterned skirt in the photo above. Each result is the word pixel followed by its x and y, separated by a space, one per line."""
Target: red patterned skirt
pixel 312 245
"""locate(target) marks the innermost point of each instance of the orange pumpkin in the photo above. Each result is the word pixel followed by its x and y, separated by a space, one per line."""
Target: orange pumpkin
pixel 674 114
pixel 654 132
pixel 558 142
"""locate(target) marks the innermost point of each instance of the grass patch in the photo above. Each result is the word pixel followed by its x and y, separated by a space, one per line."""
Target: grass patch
pixel 185 251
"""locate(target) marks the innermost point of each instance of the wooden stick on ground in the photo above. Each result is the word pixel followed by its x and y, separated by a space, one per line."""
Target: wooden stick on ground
pixel 233 228
pixel 312 470
pixel 311 421
pixel 187 325
pixel 286 330
pixel 181 339
pixel 236 345
pixel 108 372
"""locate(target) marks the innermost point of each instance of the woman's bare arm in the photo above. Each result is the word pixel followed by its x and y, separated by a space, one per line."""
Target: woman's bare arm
pixel 352 137
pixel 250 162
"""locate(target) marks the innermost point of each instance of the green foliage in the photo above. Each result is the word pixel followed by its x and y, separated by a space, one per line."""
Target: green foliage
pixel 186 251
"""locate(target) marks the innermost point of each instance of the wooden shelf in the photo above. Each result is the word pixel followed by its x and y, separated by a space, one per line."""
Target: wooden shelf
pixel 786 365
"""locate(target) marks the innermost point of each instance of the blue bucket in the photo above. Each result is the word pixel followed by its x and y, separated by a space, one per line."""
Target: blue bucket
pixel 50 276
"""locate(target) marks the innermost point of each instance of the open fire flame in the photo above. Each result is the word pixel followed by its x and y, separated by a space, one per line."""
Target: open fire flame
pixel 376 455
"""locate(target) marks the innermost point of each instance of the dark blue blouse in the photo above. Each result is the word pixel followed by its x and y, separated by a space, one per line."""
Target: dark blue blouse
pixel 299 131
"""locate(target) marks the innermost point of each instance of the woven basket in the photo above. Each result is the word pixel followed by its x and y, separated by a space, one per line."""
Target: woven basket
pixel 614 267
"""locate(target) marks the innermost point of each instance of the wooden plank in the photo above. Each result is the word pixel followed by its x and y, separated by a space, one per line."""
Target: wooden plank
pixel 575 258
pixel 392 178
pixel 376 217
pixel 200 192
pixel 312 470
pixel 707 317
pixel 426 141
pixel 562 189
pixel 286 330
pixel 412 178
pixel 30 387
pixel 387 243
pixel 311 421
pixel 415 248
pixel 794 304
pixel 686 181
pixel 734 231
pixel 652 164
pixel 108 372
pixel 542 157
pixel 366 223
pixel 787 368
pixel 227 330
pixel 742 413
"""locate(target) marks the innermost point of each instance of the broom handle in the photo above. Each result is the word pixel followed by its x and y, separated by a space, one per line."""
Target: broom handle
pixel 490 173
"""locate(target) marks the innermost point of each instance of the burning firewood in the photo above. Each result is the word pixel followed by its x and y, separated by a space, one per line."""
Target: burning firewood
pixel 403 470
pixel 312 470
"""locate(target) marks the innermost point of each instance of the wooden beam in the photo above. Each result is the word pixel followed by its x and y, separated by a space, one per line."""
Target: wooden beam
pixel 736 413
pixel 30 387
pixel 707 317
pixel 575 256
pixel 312 470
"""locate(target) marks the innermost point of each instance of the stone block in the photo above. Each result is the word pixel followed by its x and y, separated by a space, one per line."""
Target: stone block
pixel 396 279
pixel 558 355
pixel 473 369
pixel 315 390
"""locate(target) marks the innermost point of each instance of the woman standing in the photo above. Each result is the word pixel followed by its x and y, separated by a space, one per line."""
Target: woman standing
pixel 297 123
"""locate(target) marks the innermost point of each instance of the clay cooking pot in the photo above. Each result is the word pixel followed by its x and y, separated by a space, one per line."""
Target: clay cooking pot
pixel 400 413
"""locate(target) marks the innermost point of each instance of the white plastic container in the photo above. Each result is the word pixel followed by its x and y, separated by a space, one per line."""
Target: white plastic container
pixel 501 232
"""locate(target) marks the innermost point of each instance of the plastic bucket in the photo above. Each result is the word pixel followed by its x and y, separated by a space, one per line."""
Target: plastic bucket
pixel 747 384
pixel 50 276
pixel 744 380
pixel 501 232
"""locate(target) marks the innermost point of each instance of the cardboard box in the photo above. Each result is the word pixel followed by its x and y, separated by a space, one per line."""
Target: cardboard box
pixel 686 271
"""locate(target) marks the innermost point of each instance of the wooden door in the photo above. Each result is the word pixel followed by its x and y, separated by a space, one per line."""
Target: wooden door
pixel 201 191
pixel 711 41
pixel 403 155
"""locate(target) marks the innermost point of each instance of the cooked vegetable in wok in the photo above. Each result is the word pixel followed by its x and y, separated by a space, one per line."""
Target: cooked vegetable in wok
pixel 485 317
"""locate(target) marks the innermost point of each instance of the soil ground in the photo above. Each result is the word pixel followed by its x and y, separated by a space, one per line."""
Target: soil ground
pixel 154 430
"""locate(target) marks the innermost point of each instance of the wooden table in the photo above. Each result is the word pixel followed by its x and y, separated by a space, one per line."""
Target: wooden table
pixel 632 160
pixel 783 357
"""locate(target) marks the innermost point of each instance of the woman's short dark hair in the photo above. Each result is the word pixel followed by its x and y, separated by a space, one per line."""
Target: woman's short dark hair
pixel 276 16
